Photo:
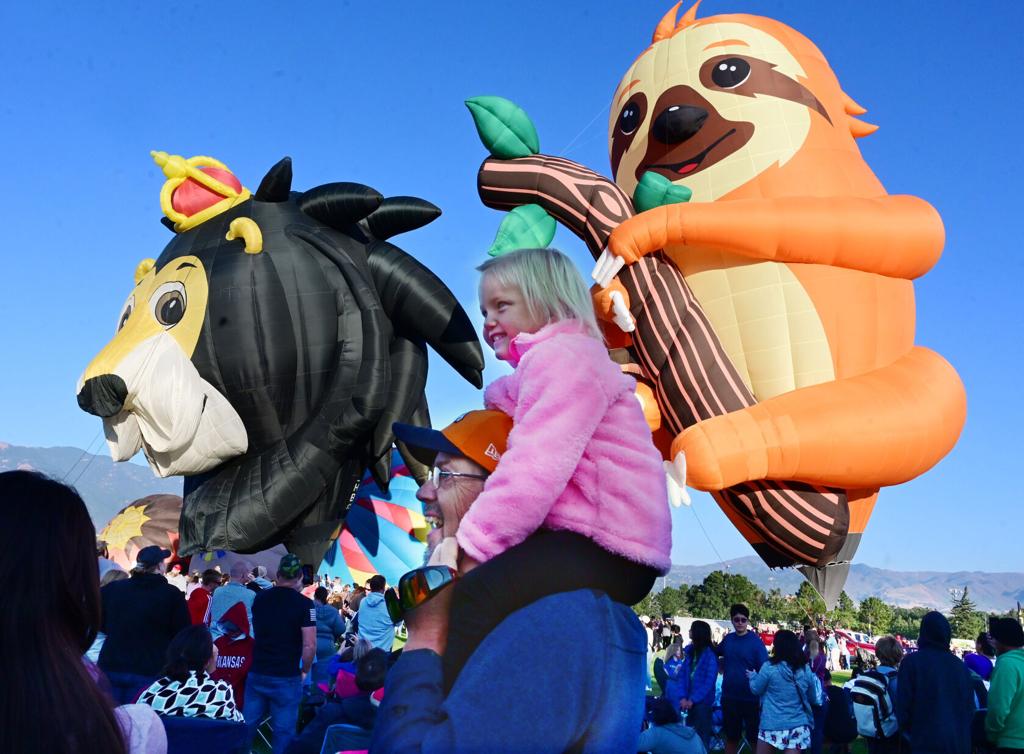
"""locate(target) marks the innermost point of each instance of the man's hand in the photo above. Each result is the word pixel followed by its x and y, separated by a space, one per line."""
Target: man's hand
pixel 428 624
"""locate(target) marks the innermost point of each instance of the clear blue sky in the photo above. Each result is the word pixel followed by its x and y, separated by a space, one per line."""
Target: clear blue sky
pixel 373 92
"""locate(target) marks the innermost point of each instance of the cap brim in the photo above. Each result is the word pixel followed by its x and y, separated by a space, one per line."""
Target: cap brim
pixel 426 439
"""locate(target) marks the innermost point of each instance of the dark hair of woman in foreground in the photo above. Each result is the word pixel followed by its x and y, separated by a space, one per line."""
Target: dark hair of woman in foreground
pixel 50 616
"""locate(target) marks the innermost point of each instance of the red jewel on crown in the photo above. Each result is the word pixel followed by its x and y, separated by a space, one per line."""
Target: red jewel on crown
pixel 197 189
pixel 192 197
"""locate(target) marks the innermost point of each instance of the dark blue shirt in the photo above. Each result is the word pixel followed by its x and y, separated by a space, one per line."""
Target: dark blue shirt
pixel 535 684
pixel 740 654
pixel 278 617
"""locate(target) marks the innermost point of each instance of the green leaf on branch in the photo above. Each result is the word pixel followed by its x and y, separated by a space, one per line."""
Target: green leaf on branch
pixel 504 127
pixel 655 190
pixel 526 227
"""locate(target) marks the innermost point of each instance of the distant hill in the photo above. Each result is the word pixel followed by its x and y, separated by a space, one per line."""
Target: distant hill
pixel 105 486
pixel 990 591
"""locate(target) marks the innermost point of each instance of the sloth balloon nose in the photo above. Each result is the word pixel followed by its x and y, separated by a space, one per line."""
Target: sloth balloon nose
pixel 103 396
pixel 678 123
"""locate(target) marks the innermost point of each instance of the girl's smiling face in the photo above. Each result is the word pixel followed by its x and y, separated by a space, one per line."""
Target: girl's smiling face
pixel 505 315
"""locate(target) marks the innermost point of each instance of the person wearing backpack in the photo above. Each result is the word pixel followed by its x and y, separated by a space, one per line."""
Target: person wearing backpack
pixel 873 693
pixel 788 691
pixel 934 698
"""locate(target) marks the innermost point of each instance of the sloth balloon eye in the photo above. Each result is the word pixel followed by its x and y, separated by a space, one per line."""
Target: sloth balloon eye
pixel 126 312
pixel 730 73
pixel 169 304
pixel 629 118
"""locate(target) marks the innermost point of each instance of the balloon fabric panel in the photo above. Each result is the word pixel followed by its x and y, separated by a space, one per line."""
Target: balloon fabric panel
pixel 384 532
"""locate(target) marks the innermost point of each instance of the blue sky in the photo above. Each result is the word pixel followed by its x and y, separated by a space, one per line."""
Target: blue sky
pixel 373 92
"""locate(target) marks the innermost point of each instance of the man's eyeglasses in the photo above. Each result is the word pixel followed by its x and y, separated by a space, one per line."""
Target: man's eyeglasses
pixel 416 587
pixel 440 476
pixel 739 619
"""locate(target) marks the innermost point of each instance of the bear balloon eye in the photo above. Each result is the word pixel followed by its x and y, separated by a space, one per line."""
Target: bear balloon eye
pixel 169 304
pixel 129 307
pixel 629 118
pixel 730 73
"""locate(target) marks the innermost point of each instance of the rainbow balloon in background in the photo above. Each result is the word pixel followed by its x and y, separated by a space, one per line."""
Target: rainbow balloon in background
pixel 384 533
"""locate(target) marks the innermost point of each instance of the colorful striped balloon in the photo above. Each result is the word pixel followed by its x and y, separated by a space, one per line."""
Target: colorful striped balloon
pixel 384 533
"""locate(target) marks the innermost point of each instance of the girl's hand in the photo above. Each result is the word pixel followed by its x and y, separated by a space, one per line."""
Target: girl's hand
pixel 751 674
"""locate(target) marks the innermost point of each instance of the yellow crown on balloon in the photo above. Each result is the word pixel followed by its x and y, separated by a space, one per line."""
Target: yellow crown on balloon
pixel 196 189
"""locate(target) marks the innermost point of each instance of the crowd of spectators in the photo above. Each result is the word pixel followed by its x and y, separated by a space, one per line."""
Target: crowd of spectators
pixel 926 700
pixel 242 650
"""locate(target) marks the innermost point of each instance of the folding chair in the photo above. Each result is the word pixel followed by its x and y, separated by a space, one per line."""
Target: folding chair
pixel 345 737
pixel 201 735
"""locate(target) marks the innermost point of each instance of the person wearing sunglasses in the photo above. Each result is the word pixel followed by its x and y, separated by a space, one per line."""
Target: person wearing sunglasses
pixel 532 684
pixel 740 651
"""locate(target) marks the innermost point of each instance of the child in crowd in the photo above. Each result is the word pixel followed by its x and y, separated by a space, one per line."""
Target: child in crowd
pixel 579 498
pixel 788 692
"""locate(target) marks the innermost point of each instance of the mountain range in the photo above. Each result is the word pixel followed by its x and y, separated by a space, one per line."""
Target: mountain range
pixel 106 487
pixel 989 591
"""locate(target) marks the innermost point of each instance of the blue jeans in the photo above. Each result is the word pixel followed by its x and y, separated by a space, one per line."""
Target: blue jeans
pixel 278 697
pixel 699 718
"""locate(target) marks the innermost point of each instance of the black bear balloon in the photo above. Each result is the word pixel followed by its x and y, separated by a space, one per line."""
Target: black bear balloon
pixel 265 354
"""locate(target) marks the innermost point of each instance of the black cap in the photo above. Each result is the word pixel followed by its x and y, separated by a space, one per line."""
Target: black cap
pixel 1006 631
pixel 150 556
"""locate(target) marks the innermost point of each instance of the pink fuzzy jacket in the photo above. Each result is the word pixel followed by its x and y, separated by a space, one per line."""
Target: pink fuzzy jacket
pixel 580 455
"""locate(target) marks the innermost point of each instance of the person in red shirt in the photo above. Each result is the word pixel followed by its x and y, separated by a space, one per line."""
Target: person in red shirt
pixel 234 649
pixel 199 600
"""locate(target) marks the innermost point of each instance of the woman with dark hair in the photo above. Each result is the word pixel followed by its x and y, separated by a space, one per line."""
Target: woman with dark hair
pixel 51 615
pixel 697 680
pixel 668 734
pixel 788 692
pixel 187 688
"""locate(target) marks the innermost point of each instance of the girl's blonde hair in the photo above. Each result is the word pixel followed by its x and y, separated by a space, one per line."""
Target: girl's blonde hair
pixel 551 286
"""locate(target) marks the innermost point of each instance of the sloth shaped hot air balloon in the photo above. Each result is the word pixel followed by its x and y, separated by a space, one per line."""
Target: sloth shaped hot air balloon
pixel 266 352
pixel 767 276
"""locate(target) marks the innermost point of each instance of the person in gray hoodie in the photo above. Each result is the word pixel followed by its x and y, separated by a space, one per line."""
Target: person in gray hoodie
pixel 788 691
pixel 934 696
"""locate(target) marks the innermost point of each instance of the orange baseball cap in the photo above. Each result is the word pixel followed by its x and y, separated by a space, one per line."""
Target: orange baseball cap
pixel 481 436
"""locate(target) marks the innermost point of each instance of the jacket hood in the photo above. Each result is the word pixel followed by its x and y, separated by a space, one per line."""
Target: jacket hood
pixel 235 621
pixel 935 632
pixel 373 598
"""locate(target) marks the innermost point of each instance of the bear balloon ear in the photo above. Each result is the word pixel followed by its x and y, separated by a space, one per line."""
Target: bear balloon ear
pixel 338 205
pixel 400 214
pixel 277 183
pixel 143 269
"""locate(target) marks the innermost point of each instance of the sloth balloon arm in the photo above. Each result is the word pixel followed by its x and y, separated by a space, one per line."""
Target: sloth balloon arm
pixel 914 407
pixel 895 236
pixel 880 428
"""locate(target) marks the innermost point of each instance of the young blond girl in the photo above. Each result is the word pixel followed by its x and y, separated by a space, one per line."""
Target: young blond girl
pixel 578 499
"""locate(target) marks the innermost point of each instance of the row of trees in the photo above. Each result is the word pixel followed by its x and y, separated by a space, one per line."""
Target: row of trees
pixel 713 596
